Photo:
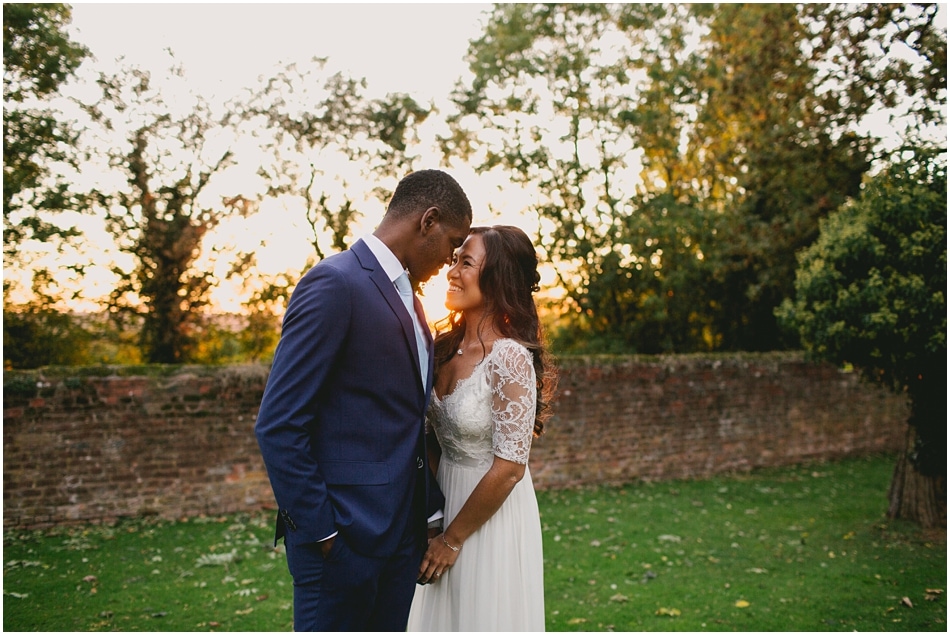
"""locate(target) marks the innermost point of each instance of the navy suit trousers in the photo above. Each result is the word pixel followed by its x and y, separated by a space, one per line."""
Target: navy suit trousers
pixel 348 591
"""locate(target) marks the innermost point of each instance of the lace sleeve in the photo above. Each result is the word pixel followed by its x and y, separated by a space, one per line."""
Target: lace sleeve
pixel 513 400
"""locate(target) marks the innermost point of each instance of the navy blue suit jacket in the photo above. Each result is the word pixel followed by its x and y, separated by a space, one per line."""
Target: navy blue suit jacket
pixel 342 422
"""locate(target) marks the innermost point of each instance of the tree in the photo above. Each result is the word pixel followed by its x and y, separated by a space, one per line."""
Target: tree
pixel 322 133
pixel 39 334
pixel 871 292
pixel 776 148
pixel 37 58
pixel 683 153
pixel 551 105
pixel 260 334
pixel 783 88
pixel 170 158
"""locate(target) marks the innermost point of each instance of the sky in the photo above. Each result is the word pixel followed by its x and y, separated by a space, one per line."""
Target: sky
pixel 417 49
pixel 414 48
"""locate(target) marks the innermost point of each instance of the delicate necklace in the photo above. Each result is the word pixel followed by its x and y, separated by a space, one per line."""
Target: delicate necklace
pixel 462 347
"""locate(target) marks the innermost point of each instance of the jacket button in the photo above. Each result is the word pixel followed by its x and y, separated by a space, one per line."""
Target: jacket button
pixel 419 463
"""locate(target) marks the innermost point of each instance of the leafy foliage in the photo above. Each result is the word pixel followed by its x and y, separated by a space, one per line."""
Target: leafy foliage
pixel 871 292
pixel 39 335
pixel 312 122
pixel 37 58
pixel 781 152
pixel 162 212
pixel 684 153
pixel 167 179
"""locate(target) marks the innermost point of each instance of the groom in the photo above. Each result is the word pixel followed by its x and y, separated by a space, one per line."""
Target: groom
pixel 341 424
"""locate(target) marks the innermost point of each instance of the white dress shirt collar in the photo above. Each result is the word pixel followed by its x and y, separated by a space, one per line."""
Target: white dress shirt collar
pixel 387 259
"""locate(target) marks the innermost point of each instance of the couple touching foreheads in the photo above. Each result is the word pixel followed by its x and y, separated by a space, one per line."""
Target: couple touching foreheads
pixel 399 463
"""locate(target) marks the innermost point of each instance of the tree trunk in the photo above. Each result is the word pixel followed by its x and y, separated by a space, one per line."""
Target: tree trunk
pixel 915 497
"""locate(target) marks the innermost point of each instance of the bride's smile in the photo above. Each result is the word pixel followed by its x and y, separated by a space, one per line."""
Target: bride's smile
pixel 464 292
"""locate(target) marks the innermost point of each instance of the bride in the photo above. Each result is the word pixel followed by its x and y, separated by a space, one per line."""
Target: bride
pixel 493 378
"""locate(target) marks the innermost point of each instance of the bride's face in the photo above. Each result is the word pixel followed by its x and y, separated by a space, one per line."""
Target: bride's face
pixel 464 294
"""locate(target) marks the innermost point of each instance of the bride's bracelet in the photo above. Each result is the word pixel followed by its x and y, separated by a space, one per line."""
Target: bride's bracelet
pixel 446 543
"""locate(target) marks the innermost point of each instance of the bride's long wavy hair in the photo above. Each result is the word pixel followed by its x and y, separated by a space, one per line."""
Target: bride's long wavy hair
pixel 508 279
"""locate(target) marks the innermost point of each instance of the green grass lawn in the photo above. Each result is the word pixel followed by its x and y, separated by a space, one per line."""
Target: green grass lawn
pixel 798 549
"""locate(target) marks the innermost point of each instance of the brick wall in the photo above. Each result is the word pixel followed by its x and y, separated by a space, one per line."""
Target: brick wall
pixel 104 447
pixel 691 417
pixel 91 448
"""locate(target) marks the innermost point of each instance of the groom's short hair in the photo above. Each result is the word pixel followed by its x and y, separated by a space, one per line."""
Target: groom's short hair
pixel 418 191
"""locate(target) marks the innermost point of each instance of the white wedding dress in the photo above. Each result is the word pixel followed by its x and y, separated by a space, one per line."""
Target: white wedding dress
pixel 497 582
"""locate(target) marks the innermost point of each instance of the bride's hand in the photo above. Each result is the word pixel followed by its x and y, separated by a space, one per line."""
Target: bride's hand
pixel 439 557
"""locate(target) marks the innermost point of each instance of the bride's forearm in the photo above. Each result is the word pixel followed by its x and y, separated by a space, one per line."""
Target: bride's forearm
pixel 486 499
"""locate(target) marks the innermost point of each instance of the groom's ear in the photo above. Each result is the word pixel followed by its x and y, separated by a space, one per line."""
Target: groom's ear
pixel 429 219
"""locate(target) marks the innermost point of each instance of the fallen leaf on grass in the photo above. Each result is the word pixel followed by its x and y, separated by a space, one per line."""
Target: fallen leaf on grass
pixel 244 612
pixel 619 597
pixel 742 604
pixel 668 612
pixel 932 595
pixel 906 602
pixel 25 563
pixel 577 620
pixel 216 559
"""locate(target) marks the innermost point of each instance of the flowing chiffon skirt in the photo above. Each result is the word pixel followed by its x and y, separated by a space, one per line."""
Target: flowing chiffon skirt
pixel 497 583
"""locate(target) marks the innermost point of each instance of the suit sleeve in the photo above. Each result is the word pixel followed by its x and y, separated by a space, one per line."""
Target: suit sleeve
pixel 314 329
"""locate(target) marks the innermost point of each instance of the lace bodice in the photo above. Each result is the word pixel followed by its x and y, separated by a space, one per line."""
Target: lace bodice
pixel 491 412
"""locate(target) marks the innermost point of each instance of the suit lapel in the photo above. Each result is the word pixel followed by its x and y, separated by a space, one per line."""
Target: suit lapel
pixel 388 290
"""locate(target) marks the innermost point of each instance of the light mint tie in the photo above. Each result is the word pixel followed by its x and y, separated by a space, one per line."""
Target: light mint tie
pixel 405 292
